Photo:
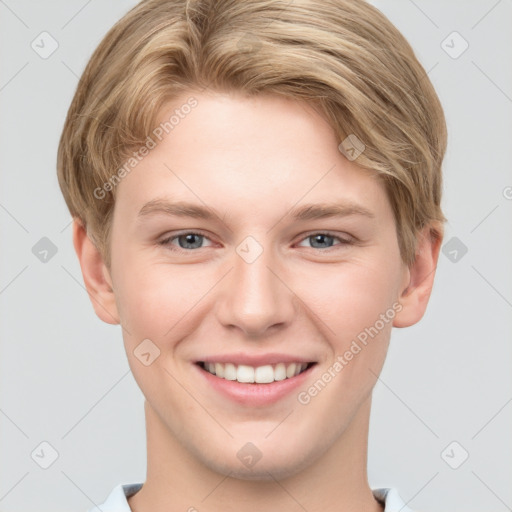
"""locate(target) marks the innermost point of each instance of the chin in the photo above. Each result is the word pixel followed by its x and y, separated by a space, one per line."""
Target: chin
pixel 265 469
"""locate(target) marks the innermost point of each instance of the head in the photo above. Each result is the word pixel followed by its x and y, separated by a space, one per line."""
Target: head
pixel 260 116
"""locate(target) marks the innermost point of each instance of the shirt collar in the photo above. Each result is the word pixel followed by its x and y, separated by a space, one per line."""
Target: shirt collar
pixel 117 500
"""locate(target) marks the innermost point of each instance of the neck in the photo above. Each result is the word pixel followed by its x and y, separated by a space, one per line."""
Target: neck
pixel 336 481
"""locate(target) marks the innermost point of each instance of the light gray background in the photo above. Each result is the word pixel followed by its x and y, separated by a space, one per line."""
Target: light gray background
pixel 64 374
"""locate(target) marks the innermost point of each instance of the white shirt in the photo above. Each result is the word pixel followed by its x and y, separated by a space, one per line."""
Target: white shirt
pixel 117 500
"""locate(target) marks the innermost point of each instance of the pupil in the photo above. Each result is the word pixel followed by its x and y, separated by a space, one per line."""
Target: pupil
pixel 322 239
pixel 189 239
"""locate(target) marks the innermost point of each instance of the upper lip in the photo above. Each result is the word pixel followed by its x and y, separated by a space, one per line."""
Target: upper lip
pixel 255 359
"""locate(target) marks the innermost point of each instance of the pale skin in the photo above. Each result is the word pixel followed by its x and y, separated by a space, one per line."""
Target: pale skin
pixel 251 161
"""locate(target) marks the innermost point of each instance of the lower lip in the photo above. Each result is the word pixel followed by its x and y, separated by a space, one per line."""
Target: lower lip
pixel 253 394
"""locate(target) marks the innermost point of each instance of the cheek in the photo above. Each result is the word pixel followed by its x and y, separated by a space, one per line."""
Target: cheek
pixel 153 303
pixel 356 305
pixel 159 301
pixel 350 298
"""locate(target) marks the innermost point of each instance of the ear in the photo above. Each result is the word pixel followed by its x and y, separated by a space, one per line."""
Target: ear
pixel 420 277
pixel 96 275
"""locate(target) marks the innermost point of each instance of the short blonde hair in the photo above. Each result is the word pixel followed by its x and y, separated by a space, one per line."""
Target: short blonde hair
pixel 342 56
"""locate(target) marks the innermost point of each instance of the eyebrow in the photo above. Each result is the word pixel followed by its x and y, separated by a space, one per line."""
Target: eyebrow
pixel 302 213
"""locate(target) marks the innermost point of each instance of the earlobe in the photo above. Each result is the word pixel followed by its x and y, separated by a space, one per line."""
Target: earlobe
pixel 415 295
pixel 95 274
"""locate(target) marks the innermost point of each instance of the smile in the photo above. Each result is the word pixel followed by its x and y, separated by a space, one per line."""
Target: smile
pixel 265 374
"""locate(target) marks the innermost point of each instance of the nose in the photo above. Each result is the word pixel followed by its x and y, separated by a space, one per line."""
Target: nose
pixel 255 298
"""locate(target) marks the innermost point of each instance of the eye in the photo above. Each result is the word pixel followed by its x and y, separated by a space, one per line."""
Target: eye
pixel 185 241
pixel 191 240
pixel 324 240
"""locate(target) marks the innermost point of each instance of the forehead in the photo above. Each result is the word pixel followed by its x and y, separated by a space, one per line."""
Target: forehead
pixel 259 152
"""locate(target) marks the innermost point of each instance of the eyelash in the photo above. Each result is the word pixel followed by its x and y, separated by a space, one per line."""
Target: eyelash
pixel 166 241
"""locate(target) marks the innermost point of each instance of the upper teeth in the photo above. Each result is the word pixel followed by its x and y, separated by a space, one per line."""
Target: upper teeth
pixel 260 375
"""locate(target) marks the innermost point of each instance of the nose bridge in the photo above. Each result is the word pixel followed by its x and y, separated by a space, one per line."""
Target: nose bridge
pixel 254 298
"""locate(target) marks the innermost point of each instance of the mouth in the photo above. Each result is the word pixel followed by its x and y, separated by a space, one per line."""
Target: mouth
pixel 245 374
pixel 258 385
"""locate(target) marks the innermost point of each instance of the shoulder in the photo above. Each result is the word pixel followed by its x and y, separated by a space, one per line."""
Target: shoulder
pixel 117 499
pixel 391 500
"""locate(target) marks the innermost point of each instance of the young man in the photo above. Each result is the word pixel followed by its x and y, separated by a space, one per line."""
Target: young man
pixel 256 190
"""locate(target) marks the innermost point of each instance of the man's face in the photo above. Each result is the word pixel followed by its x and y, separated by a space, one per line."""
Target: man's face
pixel 251 285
